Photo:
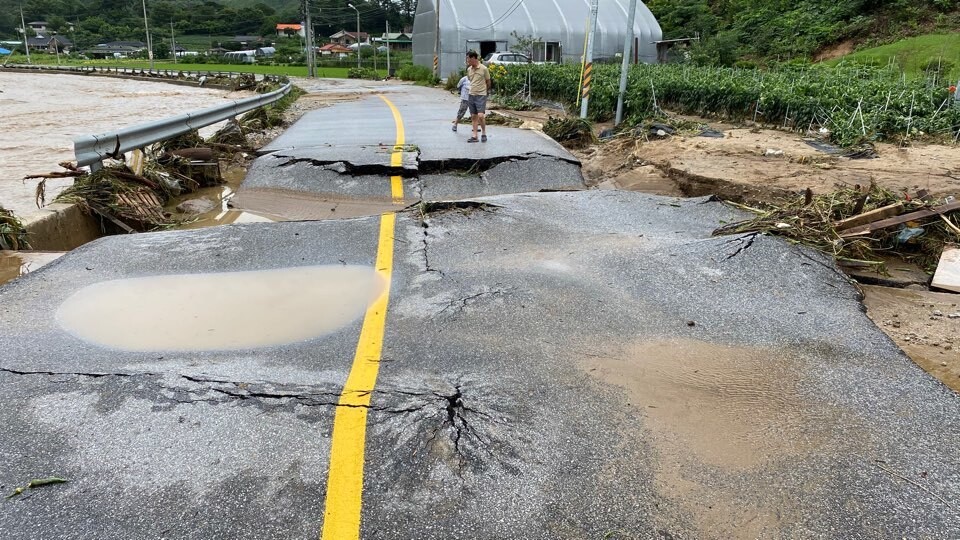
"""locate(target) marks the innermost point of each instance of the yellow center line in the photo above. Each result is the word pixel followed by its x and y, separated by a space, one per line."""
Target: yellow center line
pixel 396 158
pixel 341 517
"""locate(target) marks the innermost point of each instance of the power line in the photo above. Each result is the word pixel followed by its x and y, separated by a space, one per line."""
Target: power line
pixel 499 19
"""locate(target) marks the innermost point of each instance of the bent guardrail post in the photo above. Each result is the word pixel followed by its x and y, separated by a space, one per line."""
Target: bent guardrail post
pixel 93 149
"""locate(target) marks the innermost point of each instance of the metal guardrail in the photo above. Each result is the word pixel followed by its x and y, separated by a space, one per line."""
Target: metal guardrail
pixel 142 72
pixel 92 149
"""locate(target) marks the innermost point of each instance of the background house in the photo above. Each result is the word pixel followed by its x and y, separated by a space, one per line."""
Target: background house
pixel 42 27
pixel 50 44
pixel 560 24
pixel 334 48
pixel 289 30
pixel 399 41
pixel 115 49
pixel 349 38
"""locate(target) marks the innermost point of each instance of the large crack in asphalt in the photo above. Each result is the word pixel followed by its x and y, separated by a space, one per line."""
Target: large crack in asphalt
pixel 349 168
pixel 92 375
pixel 480 165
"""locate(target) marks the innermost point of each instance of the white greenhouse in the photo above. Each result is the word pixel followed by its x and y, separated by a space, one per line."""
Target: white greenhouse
pixel 488 26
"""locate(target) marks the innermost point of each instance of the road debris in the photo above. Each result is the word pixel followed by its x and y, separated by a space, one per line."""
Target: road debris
pixel 12 233
pixel 857 226
pixel 947 275
pixel 35 483
pixel 570 132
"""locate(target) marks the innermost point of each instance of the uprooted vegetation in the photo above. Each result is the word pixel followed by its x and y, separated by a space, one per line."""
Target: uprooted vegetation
pixel 129 201
pixel 12 233
pixel 860 226
pixel 570 132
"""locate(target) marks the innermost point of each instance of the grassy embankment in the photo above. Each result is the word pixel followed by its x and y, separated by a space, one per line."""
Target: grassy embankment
pixel 912 55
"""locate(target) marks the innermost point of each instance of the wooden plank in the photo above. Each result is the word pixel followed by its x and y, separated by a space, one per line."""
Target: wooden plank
pixel 947 276
pixel 883 224
pixel 869 217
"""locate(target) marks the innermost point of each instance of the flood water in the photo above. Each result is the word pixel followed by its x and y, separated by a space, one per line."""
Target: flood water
pixel 42 113
pixel 14 264
pixel 221 311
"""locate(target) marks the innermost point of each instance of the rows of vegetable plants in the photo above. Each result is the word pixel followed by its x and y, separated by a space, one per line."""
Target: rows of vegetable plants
pixel 854 104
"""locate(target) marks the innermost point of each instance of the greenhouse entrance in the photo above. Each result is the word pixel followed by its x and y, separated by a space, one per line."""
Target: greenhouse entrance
pixel 486 47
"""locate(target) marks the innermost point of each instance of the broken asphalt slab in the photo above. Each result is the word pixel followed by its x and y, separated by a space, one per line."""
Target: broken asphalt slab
pixel 332 163
pixel 555 365
pixel 426 114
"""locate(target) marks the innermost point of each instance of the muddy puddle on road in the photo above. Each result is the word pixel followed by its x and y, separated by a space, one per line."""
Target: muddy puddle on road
pixel 14 264
pixel 715 411
pixel 286 205
pixel 221 311
pixel 220 197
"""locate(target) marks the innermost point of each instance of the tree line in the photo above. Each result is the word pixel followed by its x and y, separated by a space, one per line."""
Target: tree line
pixel 787 29
pixel 98 21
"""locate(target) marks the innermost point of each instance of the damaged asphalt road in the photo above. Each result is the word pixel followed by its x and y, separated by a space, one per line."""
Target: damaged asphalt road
pixel 336 162
pixel 585 364
pixel 537 381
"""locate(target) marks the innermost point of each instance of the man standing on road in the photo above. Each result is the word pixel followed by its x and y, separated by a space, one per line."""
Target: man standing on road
pixel 480 84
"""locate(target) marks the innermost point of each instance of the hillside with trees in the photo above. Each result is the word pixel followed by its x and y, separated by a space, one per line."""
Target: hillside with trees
pixel 785 29
pixel 97 21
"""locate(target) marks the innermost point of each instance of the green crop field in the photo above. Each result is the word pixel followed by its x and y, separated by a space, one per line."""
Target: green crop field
pixel 854 103
pixel 911 55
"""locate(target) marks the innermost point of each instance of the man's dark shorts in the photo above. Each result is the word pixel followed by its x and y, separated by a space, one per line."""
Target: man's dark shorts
pixel 478 104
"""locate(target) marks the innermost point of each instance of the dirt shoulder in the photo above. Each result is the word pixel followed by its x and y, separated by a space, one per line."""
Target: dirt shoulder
pixel 750 164
pixel 924 324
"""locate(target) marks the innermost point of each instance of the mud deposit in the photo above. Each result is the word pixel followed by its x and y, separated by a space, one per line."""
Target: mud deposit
pixel 728 410
pixel 739 166
pixel 920 323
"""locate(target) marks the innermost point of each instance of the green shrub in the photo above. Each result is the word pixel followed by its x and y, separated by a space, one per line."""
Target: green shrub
pixel 420 74
pixel 452 79
pixel 362 73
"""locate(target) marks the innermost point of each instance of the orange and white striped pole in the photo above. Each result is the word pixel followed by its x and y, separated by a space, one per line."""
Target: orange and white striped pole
pixel 588 61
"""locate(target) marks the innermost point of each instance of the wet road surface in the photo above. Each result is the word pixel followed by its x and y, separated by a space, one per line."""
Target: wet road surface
pixel 586 364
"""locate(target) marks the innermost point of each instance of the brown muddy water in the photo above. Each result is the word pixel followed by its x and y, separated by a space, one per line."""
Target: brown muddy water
pixel 221 196
pixel 14 264
pixel 722 410
pixel 42 113
pixel 286 205
pixel 221 311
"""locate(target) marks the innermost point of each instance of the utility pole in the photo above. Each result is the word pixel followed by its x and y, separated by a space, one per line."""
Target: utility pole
pixel 436 45
pixel 146 27
pixel 173 41
pixel 588 60
pixel 308 37
pixel 388 49
pixel 23 26
pixel 358 33
pixel 625 66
